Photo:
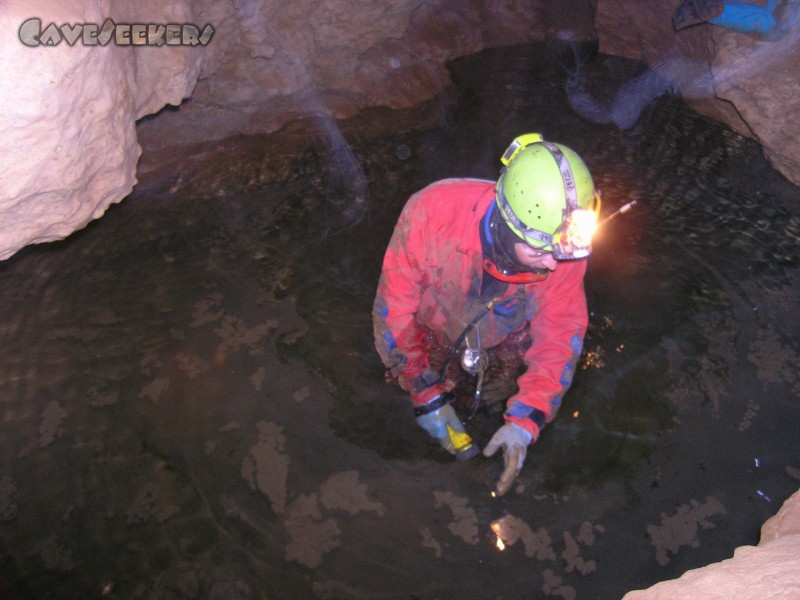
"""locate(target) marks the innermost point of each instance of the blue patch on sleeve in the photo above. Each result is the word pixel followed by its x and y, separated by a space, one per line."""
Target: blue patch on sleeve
pixel 567 374
pixel 380 308
pixel 523 411
pixel 388 341
pixel 577 344
pixel 519 410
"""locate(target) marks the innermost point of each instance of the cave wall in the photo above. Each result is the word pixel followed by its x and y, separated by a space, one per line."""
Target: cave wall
pixel 76 117
pixel 747 80
pixel 70 120
pixel 273 62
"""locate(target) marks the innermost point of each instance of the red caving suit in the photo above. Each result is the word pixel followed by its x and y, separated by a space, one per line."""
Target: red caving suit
pixel 430 284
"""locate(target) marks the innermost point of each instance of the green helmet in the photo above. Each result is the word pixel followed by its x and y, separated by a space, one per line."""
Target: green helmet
pixel 541 186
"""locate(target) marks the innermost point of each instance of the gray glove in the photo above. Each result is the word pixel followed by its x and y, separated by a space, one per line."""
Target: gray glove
pixel 514 440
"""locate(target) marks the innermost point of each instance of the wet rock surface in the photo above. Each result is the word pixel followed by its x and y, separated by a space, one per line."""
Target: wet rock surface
pixel 193 407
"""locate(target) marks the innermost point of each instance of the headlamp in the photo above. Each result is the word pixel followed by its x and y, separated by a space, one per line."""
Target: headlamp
pixel 573 239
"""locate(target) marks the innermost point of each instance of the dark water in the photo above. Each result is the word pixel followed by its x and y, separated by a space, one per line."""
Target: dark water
pixel 193 408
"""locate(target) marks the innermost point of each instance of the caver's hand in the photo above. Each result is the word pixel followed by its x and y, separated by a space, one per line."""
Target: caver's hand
pixel 514 441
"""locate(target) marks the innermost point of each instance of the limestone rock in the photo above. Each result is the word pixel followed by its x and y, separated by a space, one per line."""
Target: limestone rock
pixel 769 570
pixel 69 111
pixel 785 523
pixel 761 78
pixel 274 62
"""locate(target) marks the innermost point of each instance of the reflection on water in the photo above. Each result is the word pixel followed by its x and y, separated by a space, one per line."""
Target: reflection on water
pixel 193 408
